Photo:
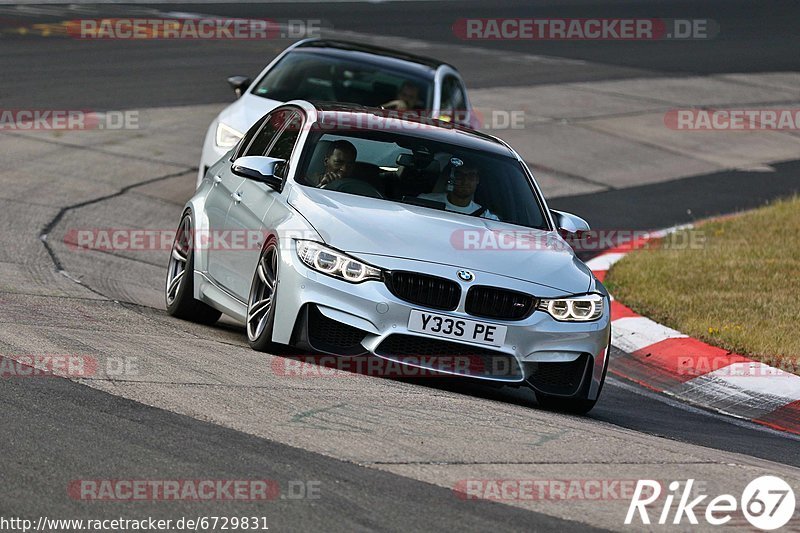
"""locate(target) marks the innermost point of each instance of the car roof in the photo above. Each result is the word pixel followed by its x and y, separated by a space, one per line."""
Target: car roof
pixel 436 130
pixel 376 55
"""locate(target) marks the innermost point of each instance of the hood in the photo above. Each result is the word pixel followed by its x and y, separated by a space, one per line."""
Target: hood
pixel 245 111
pixel 362 225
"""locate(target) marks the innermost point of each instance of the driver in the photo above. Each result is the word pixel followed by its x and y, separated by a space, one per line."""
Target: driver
pixel 461 188
pixel 407 98
pixel 339 163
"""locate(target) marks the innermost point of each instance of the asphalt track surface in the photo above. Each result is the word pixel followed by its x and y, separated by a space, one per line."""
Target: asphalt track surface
pixel 754 37
pixel 55 430
pixel 86 431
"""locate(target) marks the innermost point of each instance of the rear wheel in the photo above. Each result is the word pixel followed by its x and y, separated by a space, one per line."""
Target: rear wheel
pixel 179 289
pixel 261 303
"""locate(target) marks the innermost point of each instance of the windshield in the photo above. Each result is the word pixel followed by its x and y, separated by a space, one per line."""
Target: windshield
pixel 412 170
pixel 311 76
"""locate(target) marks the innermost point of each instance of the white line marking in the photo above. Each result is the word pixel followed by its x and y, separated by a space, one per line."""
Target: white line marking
pixel 604 261
pixel 634 333
pixel 761 379
pixel 724 397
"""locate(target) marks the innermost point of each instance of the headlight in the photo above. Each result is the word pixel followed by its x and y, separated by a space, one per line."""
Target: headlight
pixel 226 136
pixel 334 263
pixel 575 309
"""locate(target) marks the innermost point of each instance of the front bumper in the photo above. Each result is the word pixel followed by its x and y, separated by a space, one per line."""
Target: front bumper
pixel 318 312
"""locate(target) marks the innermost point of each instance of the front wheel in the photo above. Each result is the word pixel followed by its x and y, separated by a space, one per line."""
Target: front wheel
pixel 179 289
pixel 261 303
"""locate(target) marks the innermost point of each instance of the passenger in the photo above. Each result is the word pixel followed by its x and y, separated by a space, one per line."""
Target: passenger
pixel 339 163
pixel 463 182
pixel 407 98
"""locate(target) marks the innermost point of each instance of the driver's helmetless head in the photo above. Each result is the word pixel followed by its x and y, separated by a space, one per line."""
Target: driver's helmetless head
pixel 340 159
pixel 408 93
pixel 465 181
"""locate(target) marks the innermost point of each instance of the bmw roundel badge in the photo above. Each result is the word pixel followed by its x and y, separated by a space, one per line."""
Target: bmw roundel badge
pixel 466 275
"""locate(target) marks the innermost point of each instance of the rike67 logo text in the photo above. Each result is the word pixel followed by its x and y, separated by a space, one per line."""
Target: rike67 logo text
pixel 767 502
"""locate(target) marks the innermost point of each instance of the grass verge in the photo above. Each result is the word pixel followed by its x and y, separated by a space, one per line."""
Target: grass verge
pixel 733 283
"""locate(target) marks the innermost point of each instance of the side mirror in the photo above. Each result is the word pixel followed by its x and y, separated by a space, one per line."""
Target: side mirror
pixel 262 169
pixel 239 84
pixel 569 223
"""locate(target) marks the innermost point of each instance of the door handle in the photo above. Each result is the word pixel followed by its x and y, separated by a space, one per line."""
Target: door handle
pixel 237 197
pixel 217 179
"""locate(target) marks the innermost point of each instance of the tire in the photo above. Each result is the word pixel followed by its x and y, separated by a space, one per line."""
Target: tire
pixel 179 286
pixel 260 319
pixel 575 406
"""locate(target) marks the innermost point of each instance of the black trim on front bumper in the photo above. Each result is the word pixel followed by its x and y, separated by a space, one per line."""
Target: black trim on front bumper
pixel 560 379
pixel 316 332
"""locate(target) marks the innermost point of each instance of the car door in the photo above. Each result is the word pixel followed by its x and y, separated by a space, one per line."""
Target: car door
pixel 221 242
pixel 252 202
pixel 217 203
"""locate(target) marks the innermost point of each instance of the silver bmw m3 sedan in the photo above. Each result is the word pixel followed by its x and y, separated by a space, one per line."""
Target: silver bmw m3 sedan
pixel 351 231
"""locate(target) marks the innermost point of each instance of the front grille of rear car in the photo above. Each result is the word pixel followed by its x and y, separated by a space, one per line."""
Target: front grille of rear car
pixel 559 378
pixel 493 302
pixel 424 289
pixel 441 355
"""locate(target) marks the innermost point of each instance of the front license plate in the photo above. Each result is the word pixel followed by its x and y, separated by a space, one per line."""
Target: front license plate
pixel 457 328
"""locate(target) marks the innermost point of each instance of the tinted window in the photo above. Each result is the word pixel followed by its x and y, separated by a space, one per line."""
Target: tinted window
pixel 263 139
pixel 312 76
pixel 283 145
pixel 402 168
pixel 454 100
pixel 247 138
